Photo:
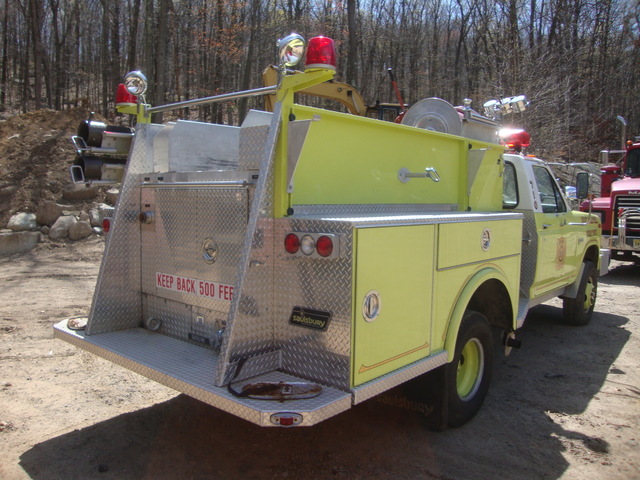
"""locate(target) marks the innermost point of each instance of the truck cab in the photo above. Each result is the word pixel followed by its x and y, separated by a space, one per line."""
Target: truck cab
pixel 618 205
pixel 560 247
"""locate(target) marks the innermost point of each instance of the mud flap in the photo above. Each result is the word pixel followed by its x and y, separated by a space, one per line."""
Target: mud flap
pixel 426 395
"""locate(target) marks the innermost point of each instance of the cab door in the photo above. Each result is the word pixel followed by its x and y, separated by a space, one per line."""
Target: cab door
pixel 557 247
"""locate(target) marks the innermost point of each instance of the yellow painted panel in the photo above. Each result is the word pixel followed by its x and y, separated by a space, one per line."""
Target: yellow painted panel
pixel 355 160
pixel 449 284
pixel 485 177
pixel 396 262
pixel 463 243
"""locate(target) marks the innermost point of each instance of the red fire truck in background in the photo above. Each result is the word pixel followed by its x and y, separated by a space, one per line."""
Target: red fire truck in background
pixel 619 203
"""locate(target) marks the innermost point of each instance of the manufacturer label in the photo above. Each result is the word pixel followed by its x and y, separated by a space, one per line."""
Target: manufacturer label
pixel 310 318
pixel 193 286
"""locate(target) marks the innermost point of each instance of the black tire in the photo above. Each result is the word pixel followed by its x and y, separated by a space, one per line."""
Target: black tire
pixel 578 311
pixel 469 374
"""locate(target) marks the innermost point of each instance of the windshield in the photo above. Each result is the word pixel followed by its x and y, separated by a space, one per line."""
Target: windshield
pixel 633 163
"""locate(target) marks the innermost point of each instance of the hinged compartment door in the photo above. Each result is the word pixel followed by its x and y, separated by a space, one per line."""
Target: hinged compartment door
pixel 190 252
pixel 392 302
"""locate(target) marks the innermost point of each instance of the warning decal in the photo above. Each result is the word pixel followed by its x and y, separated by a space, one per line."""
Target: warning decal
pixel 201 288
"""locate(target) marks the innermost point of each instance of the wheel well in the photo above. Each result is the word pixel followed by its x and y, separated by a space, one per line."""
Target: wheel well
pixel 592 254
pixel 493 301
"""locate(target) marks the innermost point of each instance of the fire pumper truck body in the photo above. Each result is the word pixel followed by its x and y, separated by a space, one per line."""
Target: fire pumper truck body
pixel 309 260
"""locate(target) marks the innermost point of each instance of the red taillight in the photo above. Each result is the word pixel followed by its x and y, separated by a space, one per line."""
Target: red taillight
pixel 124 98
pixel 324 246
pixel 291 243
pixel 312 245
pixel 321 53
pixel 106 225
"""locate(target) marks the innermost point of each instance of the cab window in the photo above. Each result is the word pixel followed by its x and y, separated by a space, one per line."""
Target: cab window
pixel 550 196
pixel 510 197
pixel 633 163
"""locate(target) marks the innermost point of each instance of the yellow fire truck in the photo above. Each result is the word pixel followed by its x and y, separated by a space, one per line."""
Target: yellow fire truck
pixel 307 260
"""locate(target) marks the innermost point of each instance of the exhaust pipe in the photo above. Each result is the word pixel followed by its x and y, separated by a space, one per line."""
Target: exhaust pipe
pixel 623 133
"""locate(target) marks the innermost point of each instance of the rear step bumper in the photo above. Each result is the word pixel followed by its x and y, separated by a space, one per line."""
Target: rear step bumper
pixel 191 369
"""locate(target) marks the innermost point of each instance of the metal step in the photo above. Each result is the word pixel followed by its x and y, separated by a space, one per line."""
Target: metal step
pixel 191 370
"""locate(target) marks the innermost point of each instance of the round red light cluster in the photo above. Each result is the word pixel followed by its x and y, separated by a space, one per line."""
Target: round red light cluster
pixel 292 243
pixel 323 245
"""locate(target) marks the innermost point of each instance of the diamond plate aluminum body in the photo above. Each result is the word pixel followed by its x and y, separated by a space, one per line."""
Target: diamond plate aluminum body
pixel 249 333
pixel 321 284
pixel 529 251
pixel 252 143
pixel 188 215
pixel 189 369
pixel 116 299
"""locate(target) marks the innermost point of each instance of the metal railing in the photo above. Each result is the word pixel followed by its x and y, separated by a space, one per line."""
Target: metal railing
pixel 215 98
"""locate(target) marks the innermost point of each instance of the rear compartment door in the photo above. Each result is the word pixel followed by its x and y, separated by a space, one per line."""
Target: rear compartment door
pixel 190 250
pixel 392 302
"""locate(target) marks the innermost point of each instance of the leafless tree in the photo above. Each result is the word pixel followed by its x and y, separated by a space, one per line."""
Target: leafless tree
pixel 577 60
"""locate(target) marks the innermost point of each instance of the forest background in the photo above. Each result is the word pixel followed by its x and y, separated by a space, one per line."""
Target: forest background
pixel 577 61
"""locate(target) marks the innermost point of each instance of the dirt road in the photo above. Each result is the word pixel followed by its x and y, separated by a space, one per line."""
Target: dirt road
pixel 566 405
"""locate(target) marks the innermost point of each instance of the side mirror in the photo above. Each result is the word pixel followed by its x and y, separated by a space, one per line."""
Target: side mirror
pixel 582 185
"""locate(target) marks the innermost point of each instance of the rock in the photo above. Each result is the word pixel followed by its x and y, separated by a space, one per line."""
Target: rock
pixel 22 222
pixel 79 230
pixel 75 213
pixel 60 229
pixel 48 212
pixel 79 191
pixel 7 190
pixel 17 242
pixel 84 217
pixel 94 217
pixel 111 195
pixel 45 230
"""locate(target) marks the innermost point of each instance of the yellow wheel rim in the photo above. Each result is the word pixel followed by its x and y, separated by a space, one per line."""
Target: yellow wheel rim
pixel 589 295
pixel 470 367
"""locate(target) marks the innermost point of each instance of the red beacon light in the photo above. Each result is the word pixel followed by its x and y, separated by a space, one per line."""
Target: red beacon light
pixel 321 53
pixel 124 98
pixel 514 139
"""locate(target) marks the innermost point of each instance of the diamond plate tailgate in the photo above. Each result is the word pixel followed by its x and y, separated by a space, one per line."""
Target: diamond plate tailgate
pixel 191 369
